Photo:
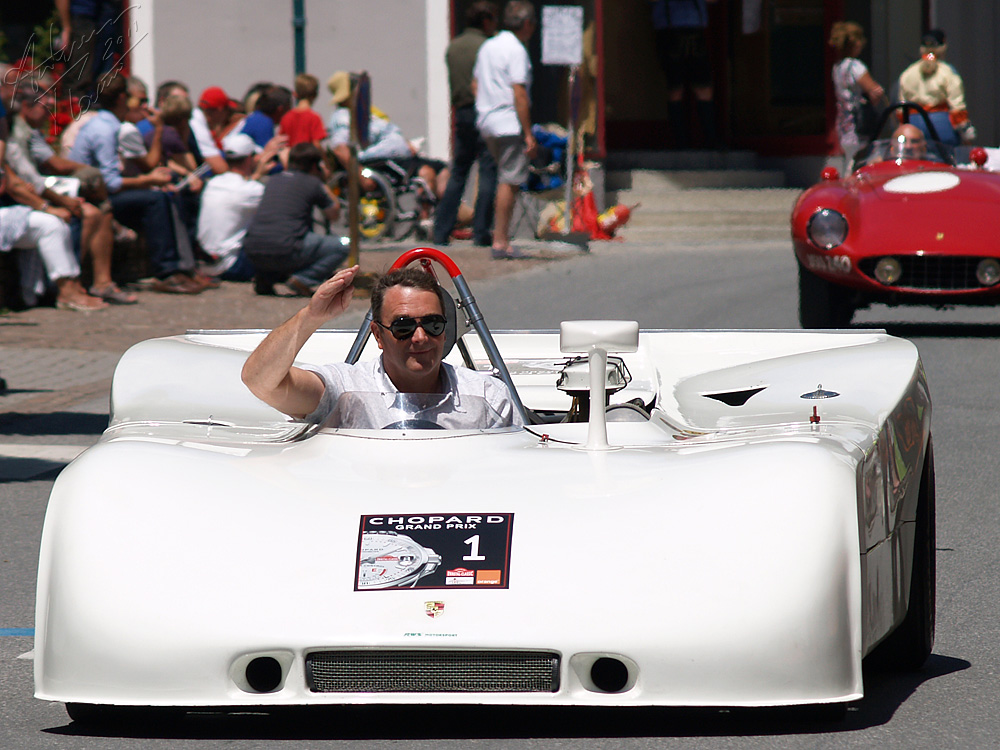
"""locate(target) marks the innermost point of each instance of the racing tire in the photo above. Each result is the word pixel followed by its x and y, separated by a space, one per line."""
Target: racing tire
pixel 822 304
pixel 907 647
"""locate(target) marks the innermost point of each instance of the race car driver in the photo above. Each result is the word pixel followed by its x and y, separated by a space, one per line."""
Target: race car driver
pixel 409 327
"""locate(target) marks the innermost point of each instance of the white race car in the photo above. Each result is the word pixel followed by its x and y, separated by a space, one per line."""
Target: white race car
pixel 744 517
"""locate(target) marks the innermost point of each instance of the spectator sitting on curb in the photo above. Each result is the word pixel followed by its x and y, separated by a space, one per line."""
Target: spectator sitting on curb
pixel 271 106
pixel 211 114
pixel 136 157
pixel 185 190
pixel 135 201
pixel 68 135
pixel 89 205
pixel 302 124
pixel 143 154
pixel 280 242
pixel 39 226
pixel 165 89
pixel 228 204
pixel 253 94
pixel 175 112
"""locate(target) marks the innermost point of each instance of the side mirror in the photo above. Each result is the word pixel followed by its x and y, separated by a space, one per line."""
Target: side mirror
pixel 979 156
pixel 583 336
pixel 830 173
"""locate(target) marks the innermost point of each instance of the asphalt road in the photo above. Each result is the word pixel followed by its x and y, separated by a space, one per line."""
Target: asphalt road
pixel 952 703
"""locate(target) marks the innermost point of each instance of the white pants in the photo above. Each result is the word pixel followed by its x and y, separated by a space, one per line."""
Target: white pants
pixel 50 236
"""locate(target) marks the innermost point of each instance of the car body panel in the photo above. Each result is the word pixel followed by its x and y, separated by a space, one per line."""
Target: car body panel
pixel 730 555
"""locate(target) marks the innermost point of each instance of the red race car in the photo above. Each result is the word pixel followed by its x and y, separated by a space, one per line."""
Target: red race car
pixel 914 223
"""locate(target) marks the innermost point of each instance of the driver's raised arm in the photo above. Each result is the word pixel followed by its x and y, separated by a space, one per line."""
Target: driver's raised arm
pixel 268 371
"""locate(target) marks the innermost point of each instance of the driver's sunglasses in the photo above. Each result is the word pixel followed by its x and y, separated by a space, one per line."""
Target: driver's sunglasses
pixel 403 328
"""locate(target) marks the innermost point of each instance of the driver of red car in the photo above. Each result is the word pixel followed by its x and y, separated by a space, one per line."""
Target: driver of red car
pixel 409 327
pixel 909 142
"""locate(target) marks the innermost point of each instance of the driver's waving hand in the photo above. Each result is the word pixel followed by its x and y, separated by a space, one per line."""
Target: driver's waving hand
pixel 409 326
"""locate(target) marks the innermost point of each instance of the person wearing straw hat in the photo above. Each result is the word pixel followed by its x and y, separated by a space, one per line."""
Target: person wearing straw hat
pixel 385 140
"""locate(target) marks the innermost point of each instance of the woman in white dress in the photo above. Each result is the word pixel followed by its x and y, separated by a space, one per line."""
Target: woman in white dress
pixel 851 84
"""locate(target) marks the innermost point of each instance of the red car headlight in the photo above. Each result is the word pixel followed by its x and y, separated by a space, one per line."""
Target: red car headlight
pixel 827 228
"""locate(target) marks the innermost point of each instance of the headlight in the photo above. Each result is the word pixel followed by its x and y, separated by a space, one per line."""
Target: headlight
pixel 888 271
pixel 988 272
pixel 827 228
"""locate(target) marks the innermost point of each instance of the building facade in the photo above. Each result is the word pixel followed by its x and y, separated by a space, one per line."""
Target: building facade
pixel 770 60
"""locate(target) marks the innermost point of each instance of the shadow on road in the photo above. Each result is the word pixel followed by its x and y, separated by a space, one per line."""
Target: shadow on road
pixel 28 469
pixel 885 692
pixel 53 423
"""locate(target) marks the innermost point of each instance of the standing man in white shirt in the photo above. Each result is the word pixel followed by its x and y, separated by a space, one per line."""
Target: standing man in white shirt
pixel 502 82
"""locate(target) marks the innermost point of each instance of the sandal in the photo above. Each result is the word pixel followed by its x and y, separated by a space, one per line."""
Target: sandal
pixel 114 295
pixel 81 305
pixel 508 253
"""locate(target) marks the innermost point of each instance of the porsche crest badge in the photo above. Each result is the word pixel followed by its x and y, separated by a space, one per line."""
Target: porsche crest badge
pixel 434 609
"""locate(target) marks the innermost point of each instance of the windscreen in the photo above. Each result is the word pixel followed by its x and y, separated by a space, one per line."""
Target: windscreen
pixel 892 149
pixel 360 410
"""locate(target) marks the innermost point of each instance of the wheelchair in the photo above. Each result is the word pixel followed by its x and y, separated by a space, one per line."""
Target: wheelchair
pixel 392 209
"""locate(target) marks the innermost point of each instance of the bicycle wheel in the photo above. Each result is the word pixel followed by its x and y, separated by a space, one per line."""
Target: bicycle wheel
pixel 376 207
pixel 415 200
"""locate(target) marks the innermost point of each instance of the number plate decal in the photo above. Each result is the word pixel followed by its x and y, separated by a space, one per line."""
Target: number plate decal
pixel 433 551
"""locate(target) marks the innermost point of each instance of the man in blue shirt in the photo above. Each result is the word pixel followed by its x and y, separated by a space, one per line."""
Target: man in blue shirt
pixel 270 108
pixel 136 202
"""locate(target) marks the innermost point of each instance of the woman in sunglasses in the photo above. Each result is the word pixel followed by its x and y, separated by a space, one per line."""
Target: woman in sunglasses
pixel 409 327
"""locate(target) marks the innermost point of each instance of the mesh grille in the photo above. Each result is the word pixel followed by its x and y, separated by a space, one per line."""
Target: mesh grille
pixel 384 671
pixel 931 272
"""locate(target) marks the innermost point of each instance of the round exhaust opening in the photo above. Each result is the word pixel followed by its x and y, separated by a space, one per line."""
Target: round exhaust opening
pixel 264 674
pixel 609 675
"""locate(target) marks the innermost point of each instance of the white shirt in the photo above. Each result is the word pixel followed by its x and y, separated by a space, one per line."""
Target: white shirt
pixel 203 134
pixel 130 142
pixel 502 61
pixel 370 378
pixel 228 203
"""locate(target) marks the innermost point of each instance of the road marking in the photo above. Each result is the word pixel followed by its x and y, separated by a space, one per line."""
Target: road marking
pixel 61 453
pixel 28 655
pixel 17 631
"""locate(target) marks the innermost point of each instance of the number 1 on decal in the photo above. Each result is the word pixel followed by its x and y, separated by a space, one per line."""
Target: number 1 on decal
pixel 473 542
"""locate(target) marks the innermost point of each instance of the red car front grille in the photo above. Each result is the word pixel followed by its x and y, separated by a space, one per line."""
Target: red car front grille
pixel 946 273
